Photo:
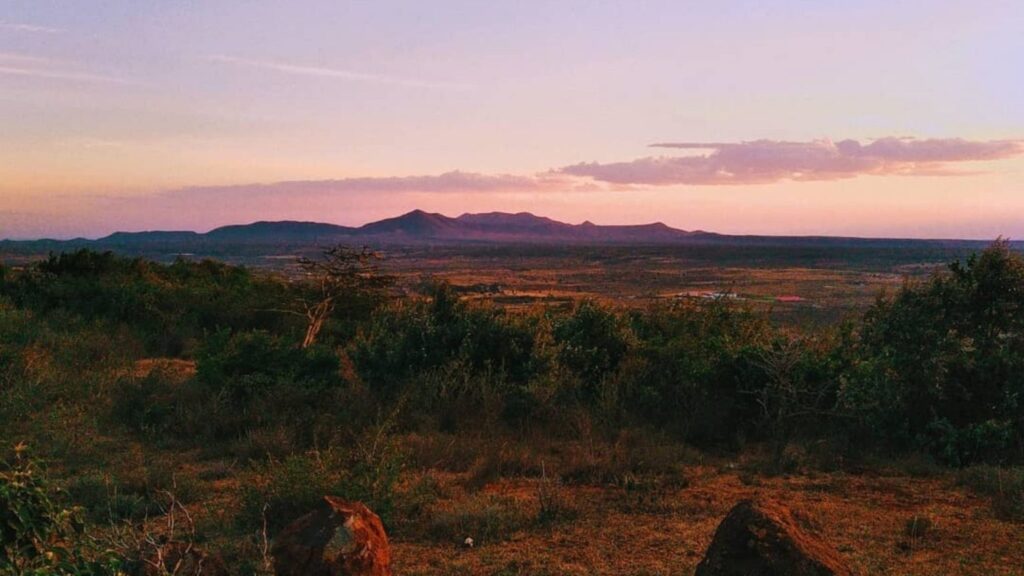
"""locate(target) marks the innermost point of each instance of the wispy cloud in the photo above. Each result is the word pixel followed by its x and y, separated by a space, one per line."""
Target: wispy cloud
pixel 203 207
pixel 323 72
pixel 23 58
pixel 64 75
pixel 767 161
pixel 743 163
pixel 13 64
pixel 449 182
pixel 30 28
pixel 93 143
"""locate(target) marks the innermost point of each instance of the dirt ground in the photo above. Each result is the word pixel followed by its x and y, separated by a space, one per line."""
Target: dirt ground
pixel 864 516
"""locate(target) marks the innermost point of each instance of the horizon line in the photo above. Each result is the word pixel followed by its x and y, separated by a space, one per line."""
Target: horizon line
pixel 696 231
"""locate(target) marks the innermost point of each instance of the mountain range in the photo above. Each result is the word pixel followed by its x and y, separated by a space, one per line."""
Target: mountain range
pixel 425 228
pixel 419 227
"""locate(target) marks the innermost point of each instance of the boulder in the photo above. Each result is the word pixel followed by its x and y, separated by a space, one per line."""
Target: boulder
pixel 763 539
pixel 339 538
pixel 182 559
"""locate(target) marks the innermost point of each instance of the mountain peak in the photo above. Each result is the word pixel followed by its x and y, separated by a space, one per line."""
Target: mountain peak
pixel 421 226
pixel 414 223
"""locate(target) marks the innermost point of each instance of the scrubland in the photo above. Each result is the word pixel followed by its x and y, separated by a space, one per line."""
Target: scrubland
pixel 195 400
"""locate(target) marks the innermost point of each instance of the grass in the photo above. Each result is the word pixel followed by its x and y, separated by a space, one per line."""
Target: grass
pixel 486 518
pixel 1003 486
pixel 667 506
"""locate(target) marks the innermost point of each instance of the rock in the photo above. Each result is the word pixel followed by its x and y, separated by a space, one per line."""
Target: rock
pixel 763 539
pixel 182 559
pixel 339 538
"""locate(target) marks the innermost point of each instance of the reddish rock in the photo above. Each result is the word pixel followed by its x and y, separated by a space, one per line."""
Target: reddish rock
pixel 182 559
pixel 339 538
pixel 763 539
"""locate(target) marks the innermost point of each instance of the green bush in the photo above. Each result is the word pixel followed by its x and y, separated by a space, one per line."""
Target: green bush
pixel 248 381
pixel 38 535
pixel 693 363
pixel 940 366
pixel 244 365
pixel 146 405
pixel 170 306
pixel 406 341
pixel 284 490
pixel 593 340
pixel 936 368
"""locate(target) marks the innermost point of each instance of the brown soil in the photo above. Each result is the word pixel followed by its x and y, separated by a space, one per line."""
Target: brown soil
pixel 862 516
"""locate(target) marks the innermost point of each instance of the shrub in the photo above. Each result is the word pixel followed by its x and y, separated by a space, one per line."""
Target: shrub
pixel 440 352
pixel 694 360
pixel 1005 486
pixel 593 342
pixel 918 527
pixel 169 305
pixel 253 380
pixel 38 535
pixel 282 491
pixel 633 453
pixel 940 366
pixel 103 500
pixel 244 365
pixel 554 503
pixel 286 489
pixel 145 405
pixel 505 461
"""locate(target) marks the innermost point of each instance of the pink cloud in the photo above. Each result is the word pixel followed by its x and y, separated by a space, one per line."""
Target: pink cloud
pixel 767 161
pixel 454 181
pixel 359 199
pixel 344 200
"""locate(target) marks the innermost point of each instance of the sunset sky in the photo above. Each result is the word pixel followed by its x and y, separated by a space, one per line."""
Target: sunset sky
pixel 871 118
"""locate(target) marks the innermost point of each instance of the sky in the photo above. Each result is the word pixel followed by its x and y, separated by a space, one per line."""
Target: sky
pixel 892 118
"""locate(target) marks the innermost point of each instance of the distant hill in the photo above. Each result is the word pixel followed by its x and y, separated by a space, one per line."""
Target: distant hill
pixel 522 227
pixel 414 227
pixel 277 232
pixel 156 237
pixel 426 228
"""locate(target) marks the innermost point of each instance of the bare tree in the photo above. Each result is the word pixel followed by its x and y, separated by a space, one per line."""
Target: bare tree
pixel 787 397
pixel 341 278
pixel 165 545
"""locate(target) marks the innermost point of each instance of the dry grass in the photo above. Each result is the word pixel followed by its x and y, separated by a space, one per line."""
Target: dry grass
pixel 656 518
pixel 175 369
pixel 864 516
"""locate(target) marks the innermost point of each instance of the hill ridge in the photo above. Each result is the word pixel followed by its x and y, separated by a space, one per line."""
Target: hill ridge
pixel 423 227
